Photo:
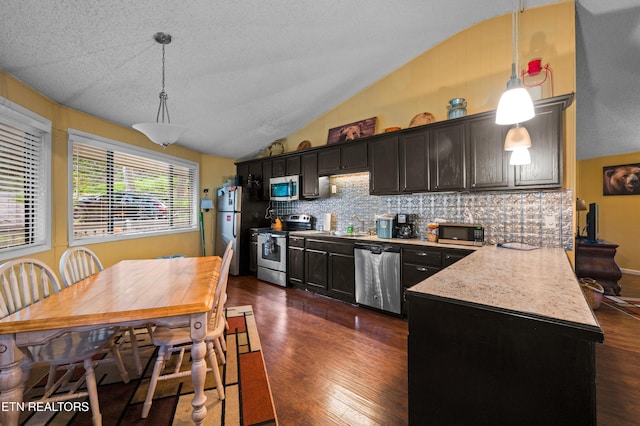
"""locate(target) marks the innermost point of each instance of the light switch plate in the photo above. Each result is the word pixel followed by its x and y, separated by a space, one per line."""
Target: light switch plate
pixel 550 221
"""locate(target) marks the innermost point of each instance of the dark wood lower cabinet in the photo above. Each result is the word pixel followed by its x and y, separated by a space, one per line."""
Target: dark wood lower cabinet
pixel 477 365
pixel 330 268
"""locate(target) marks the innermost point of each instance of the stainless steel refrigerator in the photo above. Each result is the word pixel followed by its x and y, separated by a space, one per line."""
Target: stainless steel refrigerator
pixel 235 214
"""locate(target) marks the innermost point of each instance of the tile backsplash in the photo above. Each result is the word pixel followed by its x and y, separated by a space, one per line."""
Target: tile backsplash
pixel 538 218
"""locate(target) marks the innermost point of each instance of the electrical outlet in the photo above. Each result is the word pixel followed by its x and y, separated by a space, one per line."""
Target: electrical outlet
pixel 550 221
pixel 334 189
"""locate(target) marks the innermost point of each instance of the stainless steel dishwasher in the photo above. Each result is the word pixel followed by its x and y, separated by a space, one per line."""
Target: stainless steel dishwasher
pixel 378 276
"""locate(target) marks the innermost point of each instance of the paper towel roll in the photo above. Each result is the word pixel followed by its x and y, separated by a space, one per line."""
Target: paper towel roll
pixel 327 221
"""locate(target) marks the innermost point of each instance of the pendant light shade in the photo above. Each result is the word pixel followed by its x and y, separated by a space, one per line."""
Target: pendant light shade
pixel 520 156
pixel 515 105
pixel 518 142
pixel 160 132
pixel 517 137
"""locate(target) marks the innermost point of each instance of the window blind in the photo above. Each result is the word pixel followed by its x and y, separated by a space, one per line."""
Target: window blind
pixel 24 181
pixel 125 192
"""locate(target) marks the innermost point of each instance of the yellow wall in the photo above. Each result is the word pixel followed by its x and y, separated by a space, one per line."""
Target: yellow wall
pixel 618 214
pixel 212 171
pixel 474 64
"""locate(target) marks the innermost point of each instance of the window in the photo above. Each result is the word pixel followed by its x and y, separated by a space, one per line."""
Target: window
pixel 119 191
pixel 25 181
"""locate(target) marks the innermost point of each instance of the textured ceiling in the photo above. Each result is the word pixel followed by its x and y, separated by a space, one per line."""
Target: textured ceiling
pixel 239 75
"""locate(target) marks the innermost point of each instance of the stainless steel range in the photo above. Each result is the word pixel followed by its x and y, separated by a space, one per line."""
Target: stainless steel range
pixel 272 248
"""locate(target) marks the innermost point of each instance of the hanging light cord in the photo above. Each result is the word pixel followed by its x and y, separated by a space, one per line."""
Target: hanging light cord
pixel 163 97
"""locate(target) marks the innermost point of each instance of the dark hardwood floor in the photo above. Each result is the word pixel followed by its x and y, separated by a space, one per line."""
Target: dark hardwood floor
pixel 333 363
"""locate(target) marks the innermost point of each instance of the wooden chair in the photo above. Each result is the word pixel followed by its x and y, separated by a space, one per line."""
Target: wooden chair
pixel 178 340
pixel 27 281
pixel 76 264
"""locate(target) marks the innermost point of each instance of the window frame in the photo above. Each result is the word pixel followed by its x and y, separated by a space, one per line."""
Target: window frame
pixel 124 148
pixel 14 113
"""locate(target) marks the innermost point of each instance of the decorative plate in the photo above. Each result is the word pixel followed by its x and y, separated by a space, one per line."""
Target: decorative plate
pixel 422 119
pixel 303 145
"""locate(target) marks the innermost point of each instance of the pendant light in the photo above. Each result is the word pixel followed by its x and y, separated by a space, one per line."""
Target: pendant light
pixel 515 105
pixel 518 141
pixel 160 132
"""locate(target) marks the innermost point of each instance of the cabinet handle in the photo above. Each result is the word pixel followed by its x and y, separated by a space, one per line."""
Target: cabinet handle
pixel 421 269
pixel 422 254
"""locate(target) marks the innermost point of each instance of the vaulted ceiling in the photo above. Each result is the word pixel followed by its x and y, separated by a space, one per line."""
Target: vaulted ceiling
pixel 239 75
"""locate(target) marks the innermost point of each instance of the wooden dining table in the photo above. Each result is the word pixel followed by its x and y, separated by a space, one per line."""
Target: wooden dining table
pixel 171 292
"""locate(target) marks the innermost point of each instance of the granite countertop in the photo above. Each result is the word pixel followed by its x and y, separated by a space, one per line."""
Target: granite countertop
pixel 374 238
pixel 538 283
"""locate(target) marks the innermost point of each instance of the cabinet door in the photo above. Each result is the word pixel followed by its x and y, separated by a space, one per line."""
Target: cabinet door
pixel 309 163
pixel 266 175
pixel 414 162
pixel 488 162
pixel 342 274
pixel 253 257
pixel 295 266
pixel 545 170
pixel 384 172
pixel 293 166
pixel 242 170
pixel 329 161
pixel 447 158
pixel 353 157
pixel 450 256
pixel 316 267
pixel 278 167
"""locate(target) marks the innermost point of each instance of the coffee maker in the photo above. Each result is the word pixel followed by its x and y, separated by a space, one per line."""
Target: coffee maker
pixel 405 226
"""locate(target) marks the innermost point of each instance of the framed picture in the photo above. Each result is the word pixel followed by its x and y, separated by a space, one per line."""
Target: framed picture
pixel 352 131
pixel 621 180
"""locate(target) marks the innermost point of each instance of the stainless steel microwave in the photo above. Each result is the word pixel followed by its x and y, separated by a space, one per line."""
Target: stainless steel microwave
pixel 285 188
pixel 461 233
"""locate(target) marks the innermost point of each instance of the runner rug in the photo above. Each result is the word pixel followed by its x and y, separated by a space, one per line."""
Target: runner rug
pixel 628 305
pixel 248 399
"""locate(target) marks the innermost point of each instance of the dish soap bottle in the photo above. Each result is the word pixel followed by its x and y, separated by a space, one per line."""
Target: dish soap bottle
pixel 350 228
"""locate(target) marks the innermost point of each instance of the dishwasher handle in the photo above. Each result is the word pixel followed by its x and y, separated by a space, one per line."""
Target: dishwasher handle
pixel 377 248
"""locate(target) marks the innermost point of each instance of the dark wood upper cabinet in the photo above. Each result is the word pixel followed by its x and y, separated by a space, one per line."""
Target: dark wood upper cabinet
pixel 278 167
pixel 545 170
pixel 488 161
pixel 309 168
pixel 293 165
pixel 345 157
pixel 384 176
pixel 414 161
pixel 447 157
pixel 266 175
pixel 462 154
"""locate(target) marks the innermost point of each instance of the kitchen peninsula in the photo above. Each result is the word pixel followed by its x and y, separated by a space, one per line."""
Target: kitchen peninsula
pixel 502 337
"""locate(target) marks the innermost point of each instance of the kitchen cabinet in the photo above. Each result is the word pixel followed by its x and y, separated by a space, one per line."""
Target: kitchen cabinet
pixel 545 170
pixel 461 154
pixel 278 167
pixel 447 157
pixel 293 165
pixel 309 167
pixel 419 263
pixel 329 268
pixel 384 177
pixel 414 161
pixel 266 175
pixel 488 161
pixel 253 251
pixel 285 166
pixel 295 261
pixel 471 364
pixel 341 158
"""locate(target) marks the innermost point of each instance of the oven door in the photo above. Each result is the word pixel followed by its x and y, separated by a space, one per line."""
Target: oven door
pixel 272 251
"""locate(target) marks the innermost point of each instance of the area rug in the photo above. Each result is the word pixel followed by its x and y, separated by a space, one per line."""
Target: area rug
pixel 628 305
pixel 248 399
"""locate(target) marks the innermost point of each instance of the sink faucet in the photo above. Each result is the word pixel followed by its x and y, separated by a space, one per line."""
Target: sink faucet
pixel 359 220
